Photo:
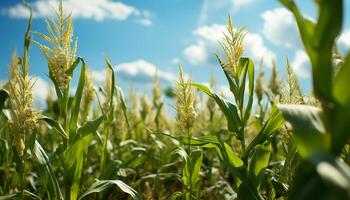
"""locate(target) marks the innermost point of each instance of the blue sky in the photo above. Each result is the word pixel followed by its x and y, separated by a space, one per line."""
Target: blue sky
pixel 142 36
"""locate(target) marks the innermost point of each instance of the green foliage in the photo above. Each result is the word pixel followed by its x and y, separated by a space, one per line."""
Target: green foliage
pixel 270 127
pixel 309 131
pixel 259 161
pixel 49 179
pixel 230 111
pixel 3 96
pixel 57 126
pixel 191 170
pixel 320 134
pixel 99 186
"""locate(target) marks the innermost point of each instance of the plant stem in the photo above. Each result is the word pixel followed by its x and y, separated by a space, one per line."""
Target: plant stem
pixel 64 109
pixel 189 159
pixel 22 180
pixel 104 148
pixel 243 145
pixel 67 191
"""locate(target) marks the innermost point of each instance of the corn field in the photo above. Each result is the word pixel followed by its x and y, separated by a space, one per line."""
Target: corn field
pixel 267 141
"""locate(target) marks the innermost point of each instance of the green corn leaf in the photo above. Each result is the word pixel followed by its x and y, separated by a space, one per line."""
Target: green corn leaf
pixel 318 40
pixel 231 82
pixel 198 141
pixel 234 163
pixel 175 196
pixel 182 153
pixel 326 31
pixel 3 96
pixel 290 158
pixel 233 121
pixel 306 26
pixel 247 191
pixel 57 88
pixel 49 178
pixel 135 157
pixel 341 91
pixel 90 126
pixel 322 176
pixel 30 141
pixel 229 110
pixel 17 195
pixel 203 88
pixel 162 176
pixel 336 174
pixel 75 153
pixel 129 142
pixel 57 126
pixel 225 152
pixel 329 22
pixel 307 184
pixel 259 161
pixel 109 65
pixel 102 185
pixel 77 99
pixel 340 119
pixel 192 167
pixel 248 109
pixel 223 149
pixel 242 82
pixel 73 164
pixel 121 97
pixel 228 154
pixel 340 128
pixel 74 65
pixel 158 113
pixel 328 28
pixel 230 158
pixel 308 129
pixel 270 127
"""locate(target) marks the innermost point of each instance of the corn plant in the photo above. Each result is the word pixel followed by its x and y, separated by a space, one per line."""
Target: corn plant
pixel 320 133
pixel 75 137
pixel 247 168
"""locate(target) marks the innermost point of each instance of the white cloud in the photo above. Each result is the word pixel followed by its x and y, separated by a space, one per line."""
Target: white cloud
pixel 175 61
pixel 208 38
pixel 98 75
pixel 145 19
pixel 255 47
pixel 236 4
pixel 196 54
pixel 41 90
pixel 145 22
pixel 142 71
pixel 87 9
pixel 212 7
pixel 138 71
pixel 280 28
pixel 301 64
pixel 344 42
pixel 210 34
